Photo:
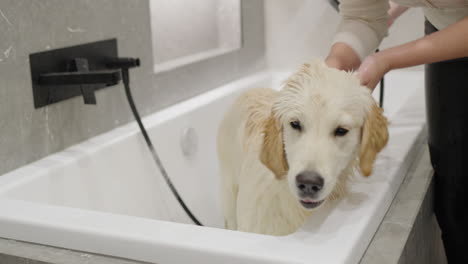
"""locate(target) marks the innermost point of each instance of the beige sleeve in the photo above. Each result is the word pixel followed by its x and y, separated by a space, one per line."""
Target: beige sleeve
pixel 363 25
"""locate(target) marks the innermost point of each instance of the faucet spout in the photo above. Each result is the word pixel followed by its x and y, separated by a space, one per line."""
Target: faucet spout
pixel 105 77
pixel 81 78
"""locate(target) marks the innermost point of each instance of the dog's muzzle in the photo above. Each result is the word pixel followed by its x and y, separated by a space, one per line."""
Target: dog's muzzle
pixel 309 184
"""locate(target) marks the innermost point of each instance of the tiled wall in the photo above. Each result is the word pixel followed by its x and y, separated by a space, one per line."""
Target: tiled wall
pixel 184 28
pixel 28 26
pixel 297 31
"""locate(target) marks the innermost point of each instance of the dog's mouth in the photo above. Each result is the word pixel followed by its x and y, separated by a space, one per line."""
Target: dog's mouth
pixel 310 204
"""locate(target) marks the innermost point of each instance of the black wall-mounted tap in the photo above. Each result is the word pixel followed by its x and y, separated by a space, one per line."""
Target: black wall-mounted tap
pixel 80 70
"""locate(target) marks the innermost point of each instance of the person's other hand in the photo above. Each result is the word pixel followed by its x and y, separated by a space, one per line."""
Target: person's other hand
pixel 342 57
pixel 371 71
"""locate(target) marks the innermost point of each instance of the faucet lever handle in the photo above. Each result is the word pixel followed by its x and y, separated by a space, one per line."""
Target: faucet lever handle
pixel 87 90
pixel 81 64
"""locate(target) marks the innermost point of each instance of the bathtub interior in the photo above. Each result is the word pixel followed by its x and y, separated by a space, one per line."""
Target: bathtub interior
pixel 114 173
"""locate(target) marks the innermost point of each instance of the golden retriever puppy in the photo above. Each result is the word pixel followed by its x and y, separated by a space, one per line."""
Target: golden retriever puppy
pixel 285 153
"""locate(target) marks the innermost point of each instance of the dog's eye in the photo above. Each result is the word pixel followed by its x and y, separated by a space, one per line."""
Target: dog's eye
pixel 339 132
pixel 296 125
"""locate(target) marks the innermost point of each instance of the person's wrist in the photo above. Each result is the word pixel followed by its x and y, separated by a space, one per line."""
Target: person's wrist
pixel 383 61
pixel 373 68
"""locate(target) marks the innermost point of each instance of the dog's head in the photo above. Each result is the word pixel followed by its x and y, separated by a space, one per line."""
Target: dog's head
pixel 323 122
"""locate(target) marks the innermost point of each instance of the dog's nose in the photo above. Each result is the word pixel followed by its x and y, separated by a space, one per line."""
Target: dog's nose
pixel 309 182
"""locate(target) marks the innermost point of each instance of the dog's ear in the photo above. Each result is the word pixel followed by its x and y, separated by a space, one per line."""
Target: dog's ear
pixel 373 139
pixel 272 153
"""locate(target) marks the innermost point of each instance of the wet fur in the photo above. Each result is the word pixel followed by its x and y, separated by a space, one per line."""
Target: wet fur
pixel 256 173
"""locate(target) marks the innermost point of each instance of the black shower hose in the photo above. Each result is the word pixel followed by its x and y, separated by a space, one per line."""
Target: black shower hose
pixel 149 143
pixel 382 88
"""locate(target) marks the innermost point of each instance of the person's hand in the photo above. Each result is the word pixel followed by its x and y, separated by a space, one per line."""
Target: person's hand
pixel 335 62
pixel 371 71
pixel 342 57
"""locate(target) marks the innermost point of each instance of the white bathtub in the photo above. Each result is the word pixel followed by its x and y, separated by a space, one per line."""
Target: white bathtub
pixel 106 196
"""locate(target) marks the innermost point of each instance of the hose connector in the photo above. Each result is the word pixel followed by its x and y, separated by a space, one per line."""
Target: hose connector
pixel 120 63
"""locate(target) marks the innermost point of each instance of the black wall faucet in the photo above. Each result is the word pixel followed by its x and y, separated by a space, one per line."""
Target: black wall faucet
pixel 80 70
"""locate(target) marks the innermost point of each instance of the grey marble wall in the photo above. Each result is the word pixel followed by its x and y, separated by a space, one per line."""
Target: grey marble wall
pixel 28 26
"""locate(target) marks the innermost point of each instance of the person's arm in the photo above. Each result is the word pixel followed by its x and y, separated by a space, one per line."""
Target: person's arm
pixel 364 24
pixel 343 57
pixel 446 44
